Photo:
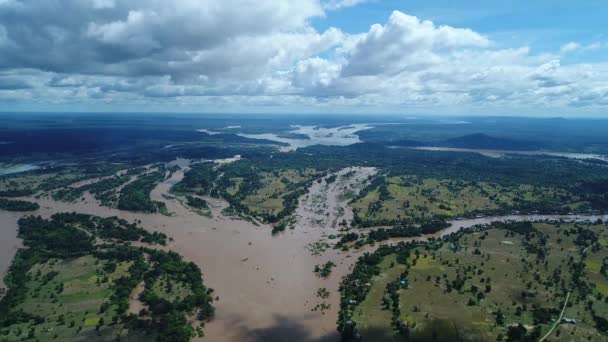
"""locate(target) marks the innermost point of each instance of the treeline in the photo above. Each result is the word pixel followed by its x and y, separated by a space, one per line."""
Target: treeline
pixel 382 234
pixel 354 288
pixel 18 205
pixel 534 170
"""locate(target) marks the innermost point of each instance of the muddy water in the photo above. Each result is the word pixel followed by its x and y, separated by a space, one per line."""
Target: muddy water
pixel 8 241
pixel 266 285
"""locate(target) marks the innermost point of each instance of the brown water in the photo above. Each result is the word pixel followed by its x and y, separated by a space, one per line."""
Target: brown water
pixel 8 241
pixel 266 285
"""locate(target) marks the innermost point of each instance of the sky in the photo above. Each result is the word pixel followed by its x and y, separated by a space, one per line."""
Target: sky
pixel 539 58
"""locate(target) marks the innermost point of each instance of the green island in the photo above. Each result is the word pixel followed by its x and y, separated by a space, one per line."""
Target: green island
pixel 75 277
pixel 135 196
pixel 499 282
pixel 55 177
pixel 101 190
pixel 18 205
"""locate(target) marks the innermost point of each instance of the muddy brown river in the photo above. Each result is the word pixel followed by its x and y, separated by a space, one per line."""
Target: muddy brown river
pixel 266 285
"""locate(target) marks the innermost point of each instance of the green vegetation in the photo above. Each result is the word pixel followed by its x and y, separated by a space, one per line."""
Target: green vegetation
pixel 505 282
pixel 198 180
pixel 263 190
pixel 197 203
pixel 135 196
pixel 103 190
pixel 323 271
pixel 410 198
pixel 74 279
pixel 50 178
pixel 18 205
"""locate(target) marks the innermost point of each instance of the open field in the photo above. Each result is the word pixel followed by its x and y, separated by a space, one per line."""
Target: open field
pixel 270 194
pixel 481 284
pixel 401 198
pixel 269 198
pixel 69 294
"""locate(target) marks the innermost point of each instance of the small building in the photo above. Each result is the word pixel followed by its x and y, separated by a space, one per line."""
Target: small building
pixel 568 320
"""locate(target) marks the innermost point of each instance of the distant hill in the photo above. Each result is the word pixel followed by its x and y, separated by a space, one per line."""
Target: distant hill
pixel 486 142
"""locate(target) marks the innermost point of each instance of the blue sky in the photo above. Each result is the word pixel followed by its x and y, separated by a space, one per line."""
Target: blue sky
pixel 545 25
pixel 539 57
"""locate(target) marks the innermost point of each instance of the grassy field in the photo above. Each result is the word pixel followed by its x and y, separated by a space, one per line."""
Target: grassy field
pixel 274 186
pixel 458 289
pixel 171 289
pixel 404 197
pixel 69 294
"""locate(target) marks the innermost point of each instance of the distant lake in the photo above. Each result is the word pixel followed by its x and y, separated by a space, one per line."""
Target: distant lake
pixel 304 136
pixel 336 136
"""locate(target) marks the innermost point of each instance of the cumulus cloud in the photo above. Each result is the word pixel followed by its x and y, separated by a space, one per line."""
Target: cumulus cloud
pixel 141 37
pixel 267 53
pixel 406 42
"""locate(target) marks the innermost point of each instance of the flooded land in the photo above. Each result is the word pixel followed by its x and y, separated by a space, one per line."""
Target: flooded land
pixel 265 284
pixel 302 229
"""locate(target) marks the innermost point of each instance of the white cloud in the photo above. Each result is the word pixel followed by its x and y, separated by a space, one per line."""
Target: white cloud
pixel 266 53
pixel 569 47
pixel 406 42
pixel 573 46
pixel 333 5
